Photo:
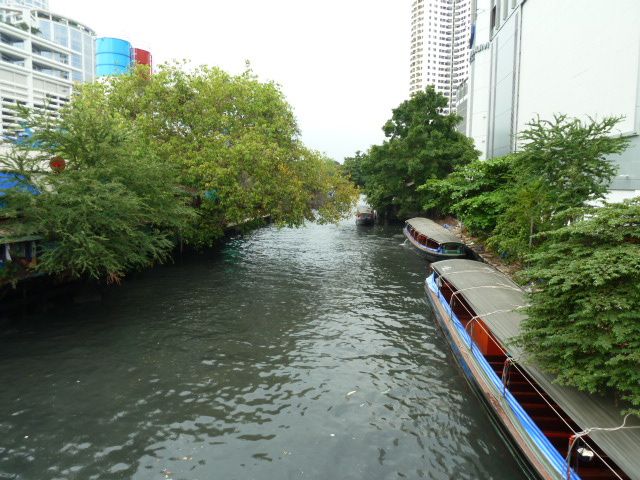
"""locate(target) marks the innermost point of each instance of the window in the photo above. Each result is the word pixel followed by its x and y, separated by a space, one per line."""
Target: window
pixel 61 34
pixel 493 18
pixel 45 28
pixel 76 40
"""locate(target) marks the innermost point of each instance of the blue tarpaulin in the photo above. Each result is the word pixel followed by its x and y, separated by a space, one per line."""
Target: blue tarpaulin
pixel 15 180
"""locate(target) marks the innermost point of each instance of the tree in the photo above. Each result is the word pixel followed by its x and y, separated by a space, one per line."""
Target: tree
pixel 233 137
pixel 113 208
pixel 421 144
pixel 477 193
pixel 177 155
pixel 584 320
pixel 352 166
pixel 562 166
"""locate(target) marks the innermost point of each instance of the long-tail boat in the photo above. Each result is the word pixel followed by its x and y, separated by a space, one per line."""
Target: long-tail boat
pixel 557 432
pixel 432 239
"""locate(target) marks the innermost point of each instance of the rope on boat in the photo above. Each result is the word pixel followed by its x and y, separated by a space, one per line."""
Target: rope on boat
pixel 506 374
pixel 573 439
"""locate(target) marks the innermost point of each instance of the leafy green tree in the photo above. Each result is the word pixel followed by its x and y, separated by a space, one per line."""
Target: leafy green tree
pixel 562 166
pixel 584 318
pixel 422 144
pixel 476 193
pixel 352 166
pixel 234 138
pixel 113 208
pixel 177 155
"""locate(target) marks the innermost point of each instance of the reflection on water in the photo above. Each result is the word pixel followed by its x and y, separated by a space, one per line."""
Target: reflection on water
pixel 291 354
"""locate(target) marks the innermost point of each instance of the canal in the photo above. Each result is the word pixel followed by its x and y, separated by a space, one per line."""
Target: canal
pixel 288 354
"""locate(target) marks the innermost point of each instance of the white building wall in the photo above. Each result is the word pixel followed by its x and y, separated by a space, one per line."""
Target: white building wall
pixel 41 57
pixel 575 57
pixel 582 58
pixel 503 79
pixel 479 77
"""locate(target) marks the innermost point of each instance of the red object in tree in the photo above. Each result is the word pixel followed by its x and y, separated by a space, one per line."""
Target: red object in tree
pixel 57 164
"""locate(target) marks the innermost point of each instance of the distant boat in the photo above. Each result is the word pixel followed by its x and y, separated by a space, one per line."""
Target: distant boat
pixel 435 241
pixel 365 215
pixel 480 313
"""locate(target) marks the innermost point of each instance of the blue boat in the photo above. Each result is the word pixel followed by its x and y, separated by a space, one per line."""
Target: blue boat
pixel 433 240
pixel 557 432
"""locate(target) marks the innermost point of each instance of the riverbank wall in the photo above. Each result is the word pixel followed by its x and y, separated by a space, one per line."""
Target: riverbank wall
pixel 38 291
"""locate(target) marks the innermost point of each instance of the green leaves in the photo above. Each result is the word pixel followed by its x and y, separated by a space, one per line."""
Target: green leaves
pixel 584 319
pixel 422 144
pixel 144 154
pixel 236 135
pixel 562 165
pixel 476 193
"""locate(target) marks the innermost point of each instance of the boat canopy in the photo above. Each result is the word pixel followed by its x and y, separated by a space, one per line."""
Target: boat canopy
pixel 499 302
pixel 432 230
pixel 364 209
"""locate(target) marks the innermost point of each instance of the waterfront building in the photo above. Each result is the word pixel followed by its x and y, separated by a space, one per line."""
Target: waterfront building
pixel 533 58
pixel 42 55
pixel 439 52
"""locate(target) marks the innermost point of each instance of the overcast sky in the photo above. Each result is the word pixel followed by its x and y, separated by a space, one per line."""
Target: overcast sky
pixel 342 64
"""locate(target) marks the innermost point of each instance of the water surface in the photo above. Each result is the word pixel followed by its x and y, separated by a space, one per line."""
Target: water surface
pixel 289 354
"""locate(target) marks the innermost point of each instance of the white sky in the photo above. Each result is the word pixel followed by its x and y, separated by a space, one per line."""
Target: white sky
pixel 342 64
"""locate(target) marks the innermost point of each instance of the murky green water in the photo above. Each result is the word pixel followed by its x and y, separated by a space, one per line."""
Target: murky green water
pixel 291 354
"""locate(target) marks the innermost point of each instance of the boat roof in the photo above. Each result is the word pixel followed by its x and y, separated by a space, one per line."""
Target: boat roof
pixel 433 230
pixel 364 209
pixel 499 302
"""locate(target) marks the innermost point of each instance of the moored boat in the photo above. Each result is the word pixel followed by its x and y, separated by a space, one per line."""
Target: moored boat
pixel 558 432
pixel 432 239
pixel 365 215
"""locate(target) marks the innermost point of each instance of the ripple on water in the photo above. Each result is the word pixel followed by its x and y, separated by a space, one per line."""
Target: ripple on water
pixel 290 354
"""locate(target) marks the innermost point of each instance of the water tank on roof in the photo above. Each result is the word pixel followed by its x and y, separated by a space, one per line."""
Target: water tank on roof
pixel 113 56
pixel 142 57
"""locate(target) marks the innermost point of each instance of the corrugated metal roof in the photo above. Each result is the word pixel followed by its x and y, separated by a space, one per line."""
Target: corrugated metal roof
pixel 432 230
pixel 499 302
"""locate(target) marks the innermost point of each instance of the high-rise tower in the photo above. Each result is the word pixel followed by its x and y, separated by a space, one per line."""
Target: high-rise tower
pixel 439 54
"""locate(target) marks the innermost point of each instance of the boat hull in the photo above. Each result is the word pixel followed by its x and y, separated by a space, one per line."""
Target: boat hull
pixel 499 411
pixel 365 221
pixel 431 255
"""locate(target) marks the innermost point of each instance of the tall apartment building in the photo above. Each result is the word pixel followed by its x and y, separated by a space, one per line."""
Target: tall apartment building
pixel 42 55
pixel 439 54
pixel 537 58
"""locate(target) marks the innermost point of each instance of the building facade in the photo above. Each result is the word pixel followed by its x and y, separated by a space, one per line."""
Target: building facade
pixel 41 4
pixel 42 55
pixel 545 57
pixel 439 53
